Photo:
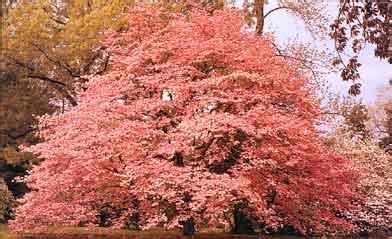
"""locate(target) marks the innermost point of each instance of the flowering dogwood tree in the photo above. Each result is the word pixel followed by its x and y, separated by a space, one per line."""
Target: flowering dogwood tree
pixel 196 118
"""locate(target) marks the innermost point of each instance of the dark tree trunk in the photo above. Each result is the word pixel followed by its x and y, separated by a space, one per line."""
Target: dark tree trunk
pixel 188 227
pixel 242 223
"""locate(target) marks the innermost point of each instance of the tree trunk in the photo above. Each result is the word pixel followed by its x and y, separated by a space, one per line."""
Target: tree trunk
pixel 259 12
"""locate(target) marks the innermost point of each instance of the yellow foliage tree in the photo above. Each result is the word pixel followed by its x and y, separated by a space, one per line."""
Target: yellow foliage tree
pixel 56 42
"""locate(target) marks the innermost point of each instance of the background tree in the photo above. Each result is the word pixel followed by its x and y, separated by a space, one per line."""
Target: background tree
pixel 309 12
pixel 315 20
pixel 375 184
pixel 357 119
pixel 359 23
pixel 386 141
pixel 355 130
pixel 381 117
pixel 59 40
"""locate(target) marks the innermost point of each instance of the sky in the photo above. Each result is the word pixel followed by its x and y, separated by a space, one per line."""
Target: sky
pixel 375 73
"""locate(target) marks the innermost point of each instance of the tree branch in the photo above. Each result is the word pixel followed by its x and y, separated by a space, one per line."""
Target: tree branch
pixel 57 85
pixel 45 78
pixel 13 134
pixel 275 9
pixel 303 61
pixel 58 63
pixel 36 75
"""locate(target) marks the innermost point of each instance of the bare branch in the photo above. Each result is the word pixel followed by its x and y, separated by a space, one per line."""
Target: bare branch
pixel 58 85
pixel 58 63
pixel 275 9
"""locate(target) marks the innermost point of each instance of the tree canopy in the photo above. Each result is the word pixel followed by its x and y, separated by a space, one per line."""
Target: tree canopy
pixel 195 119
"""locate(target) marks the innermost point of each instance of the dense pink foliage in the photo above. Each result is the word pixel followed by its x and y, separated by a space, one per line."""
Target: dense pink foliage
pixel 195 116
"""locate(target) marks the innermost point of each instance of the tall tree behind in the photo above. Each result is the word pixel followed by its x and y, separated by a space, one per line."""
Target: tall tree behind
pixel 314 18
pixel 57 42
